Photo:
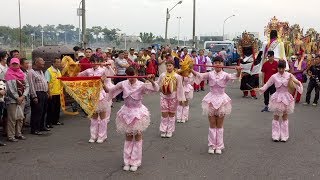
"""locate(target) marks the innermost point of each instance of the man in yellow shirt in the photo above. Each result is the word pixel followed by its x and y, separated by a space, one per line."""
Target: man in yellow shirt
pixel 55 89
pixel 145 56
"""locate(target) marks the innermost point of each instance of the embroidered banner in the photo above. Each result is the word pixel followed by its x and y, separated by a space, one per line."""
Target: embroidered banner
pixel 84 90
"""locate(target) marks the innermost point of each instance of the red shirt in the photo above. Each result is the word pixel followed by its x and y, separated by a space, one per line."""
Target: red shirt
pixel 269 69
pixel 151 66
pixel 86 65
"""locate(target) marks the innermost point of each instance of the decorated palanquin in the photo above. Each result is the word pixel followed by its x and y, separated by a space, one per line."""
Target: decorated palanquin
pixel 281 32
pixel 296 39
pixel 84 90
pixel 310 40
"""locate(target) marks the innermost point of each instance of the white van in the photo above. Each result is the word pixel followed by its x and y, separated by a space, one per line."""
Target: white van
pixel 216 46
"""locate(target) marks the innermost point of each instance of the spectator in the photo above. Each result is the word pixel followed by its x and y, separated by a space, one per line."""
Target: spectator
pixel 145 56
pixel 142 63
pixel 224 55
pixel 17 91
pixel 314 82
pixel 80 56
pixel 297 68
pixel 76 52
pixel 131 54
pixel 106 57
pixel 98 52
pixel 126 56
pixel 184 53
pixel 162 63
pixel 3 64
pixel 13 54
pixel 39 95
pixel 209 61
pixel 85 62
pixel 269 68
pixel 152 65
pixel 25 65
pixel 201 60
pixel 3 71
pixel 177 60
pixel 2 104
pixel 121 66
pixel 55 89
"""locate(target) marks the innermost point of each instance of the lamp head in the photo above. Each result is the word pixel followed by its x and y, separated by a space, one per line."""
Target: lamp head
pixel 179 2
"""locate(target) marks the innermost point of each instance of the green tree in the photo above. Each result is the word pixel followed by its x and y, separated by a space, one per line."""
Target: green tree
pixel 146 37
pixel 96 30
pixel 110 34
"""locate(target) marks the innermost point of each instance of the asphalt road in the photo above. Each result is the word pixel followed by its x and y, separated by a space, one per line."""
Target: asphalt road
pixel 250 154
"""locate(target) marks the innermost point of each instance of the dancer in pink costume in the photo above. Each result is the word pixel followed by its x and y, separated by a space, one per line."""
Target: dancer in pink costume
pixel 172 92
pixel 183 106
pixel 216 104
pixel 281 102
pixel 133 118
pixel 99 120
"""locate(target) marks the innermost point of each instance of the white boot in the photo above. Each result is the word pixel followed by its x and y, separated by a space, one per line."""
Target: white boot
pixel 211 150
pixel 126 168
pixel 218 151
pixel 133 168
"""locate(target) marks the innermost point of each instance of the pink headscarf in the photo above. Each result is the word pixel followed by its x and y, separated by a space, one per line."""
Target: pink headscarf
pixel 14 73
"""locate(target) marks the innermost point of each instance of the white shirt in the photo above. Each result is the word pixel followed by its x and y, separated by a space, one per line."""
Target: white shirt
pixel 133 58
pixel 3 71
pixel 209 63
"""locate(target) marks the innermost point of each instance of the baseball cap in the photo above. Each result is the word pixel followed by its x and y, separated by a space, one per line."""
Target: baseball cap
pixel 80 54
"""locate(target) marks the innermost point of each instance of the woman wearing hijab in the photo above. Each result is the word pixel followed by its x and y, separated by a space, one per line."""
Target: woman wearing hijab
pixel 17 91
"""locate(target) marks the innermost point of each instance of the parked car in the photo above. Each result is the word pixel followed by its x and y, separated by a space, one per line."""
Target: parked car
pixel 216 46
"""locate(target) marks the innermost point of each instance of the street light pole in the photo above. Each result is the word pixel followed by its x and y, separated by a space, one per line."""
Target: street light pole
pixel 225 23
pixel 179 18
pixel 65 37
pixel 79 13
pixel 194 25
pixel 167 20
pixel 32 40
pixel 125 41
pixel 57 35
pixel 84 39
pixel 20 31
pixel 42 37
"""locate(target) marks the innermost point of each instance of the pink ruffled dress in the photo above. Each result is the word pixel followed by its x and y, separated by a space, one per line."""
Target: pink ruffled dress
pixel 133 116
pixel 216 102
pixel 281 101
pixel 187 83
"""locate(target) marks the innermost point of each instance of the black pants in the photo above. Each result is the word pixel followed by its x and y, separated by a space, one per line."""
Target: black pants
pixel 312 85
pixel 53 110
pixel 268 93
pixel 116 81
pixel 38 112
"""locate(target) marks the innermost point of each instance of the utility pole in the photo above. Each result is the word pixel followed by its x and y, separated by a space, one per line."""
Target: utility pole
pixel 166 32
pixel 167 20
pixel 20 31
pixel 194 25
pixel 179 18
pixel 84 39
